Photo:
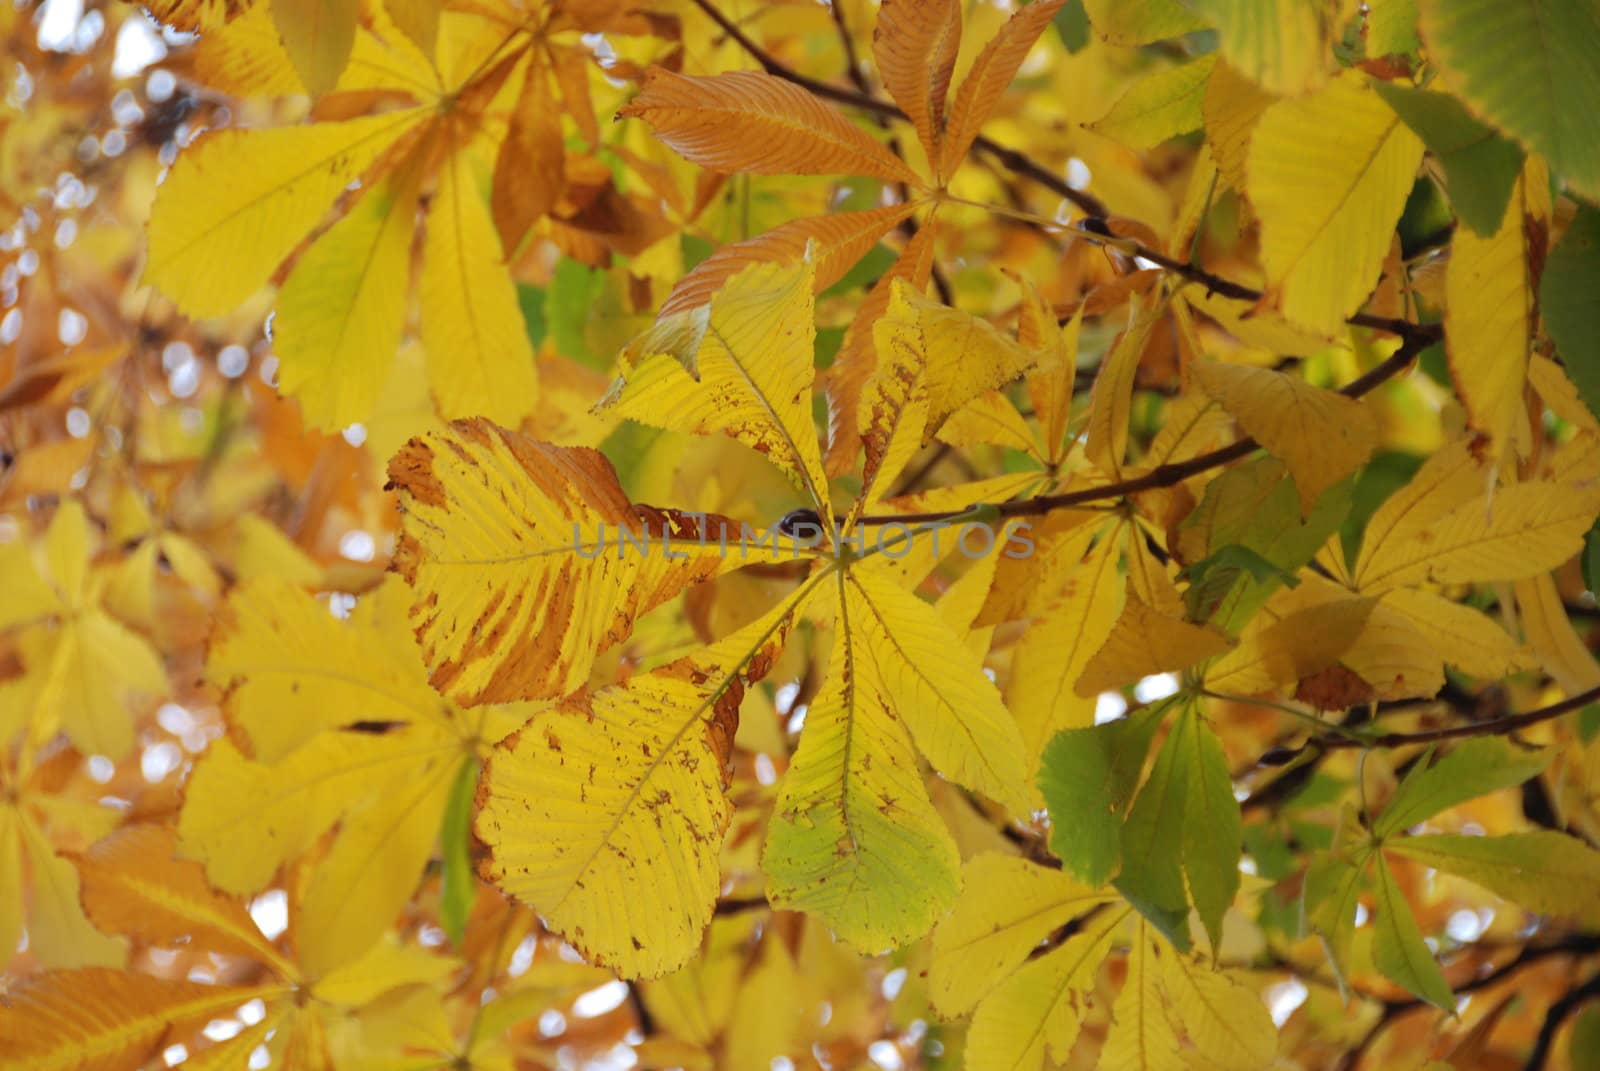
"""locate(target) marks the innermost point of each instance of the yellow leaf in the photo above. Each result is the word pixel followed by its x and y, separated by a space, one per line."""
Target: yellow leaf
pixel 480 362
pixel 527 560
pixel 1464 637
pixel 59 933
pixel 95 1019
pixel 1050 387
pixel 418 20
pixel 1227 1024
pixel 369 874
pixel 1030 1021
pixel 1232 106
pixel 341 311
pixel 317 34
pixel 1543 870
pixel 262 550
pixel 237 202
pixel 244 819
pixel 1283 44
pixel 1141 1037
pixel 134 885
pixel 89 665
pixel 1491 312
pixel 962 356
pixel 756 123
pixel 1139 22
pixel 1143 642
pixel 892 419
pixel 937 688
pixel 991 72
pixel 244 57
pixel 1329 174
pixel 13 890
pixel 1006 907
pixel 1278 650
pixel 1559 393
pixel 622 790
pixel 28 596
pixel 1515 533
pixel 1158 106
pixel 853 366
pixel 1321 435
pixel 1556 644
pixel 1449 478
pixel 275 647
pixel 750 377
pixel 1111 401
pixel 387 965
pixel 771 1016
pixel 989 420
pixel 1053 652
pixel 853 837
pixel 914 46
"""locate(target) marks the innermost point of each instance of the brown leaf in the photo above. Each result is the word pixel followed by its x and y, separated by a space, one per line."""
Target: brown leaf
pixel 528 170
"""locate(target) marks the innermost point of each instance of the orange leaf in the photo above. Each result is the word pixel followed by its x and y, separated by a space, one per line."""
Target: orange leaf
pixel 747 121
pixel 991 73
pixel 915 45
pixel 839 241
pixel 134 884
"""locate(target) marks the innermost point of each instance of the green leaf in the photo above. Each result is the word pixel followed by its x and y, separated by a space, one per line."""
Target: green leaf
pixel 1398 949
pixel 1254 507
pixel 459 885
pixel 569 301
pixel 1072 24
pixel 1544 871
pixel 1583 1043
pixel 1184 832
pixel 1480 166
pixel 531 301
pixel 1158 106
pixel 1331 892
pixel 1381 477
pixel 1088 777
pixel 879 259
pixel 1531 67
pixel 1476 768
pixel 1569 297
pixel 1236 558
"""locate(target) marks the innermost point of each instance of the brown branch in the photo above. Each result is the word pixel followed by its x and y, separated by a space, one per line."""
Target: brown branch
pixel 1558 1013
pixel 1020 163
pixel 1421 335
pixel 1491 727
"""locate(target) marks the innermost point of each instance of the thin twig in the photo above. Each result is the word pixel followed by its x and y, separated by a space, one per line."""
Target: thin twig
pixel 1491 727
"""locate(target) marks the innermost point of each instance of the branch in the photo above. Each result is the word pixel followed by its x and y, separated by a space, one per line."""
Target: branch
pixel 1421 336
pixel 1492 727
pixel 1553 1019
pixel 1020 163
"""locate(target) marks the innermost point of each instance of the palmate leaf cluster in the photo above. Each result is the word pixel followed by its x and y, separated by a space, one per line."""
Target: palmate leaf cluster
pixel 540 533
